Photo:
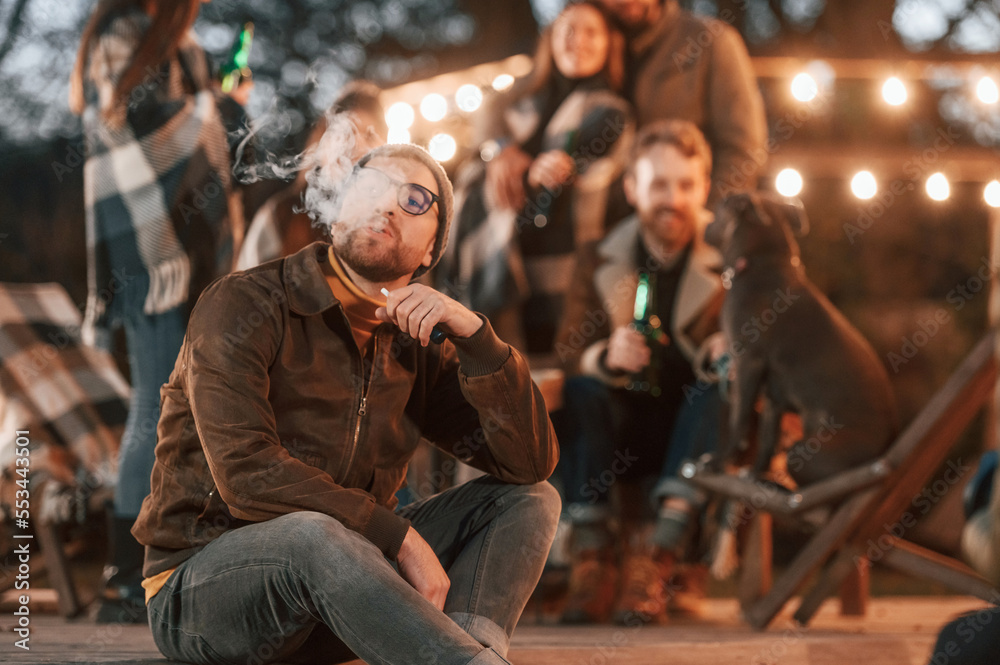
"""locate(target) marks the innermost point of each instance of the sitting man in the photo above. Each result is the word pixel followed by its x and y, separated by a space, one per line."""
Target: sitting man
pixel 296 402
pixel 643 306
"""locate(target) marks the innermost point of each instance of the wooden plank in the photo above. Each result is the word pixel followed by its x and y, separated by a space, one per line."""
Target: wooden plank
pixel 855 590
pixel 55 562
pixel 812 556
pixel 929 565
pixel 755 578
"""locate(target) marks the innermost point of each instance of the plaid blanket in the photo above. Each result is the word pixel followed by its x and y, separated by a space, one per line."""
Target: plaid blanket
pixel 160 215
pixel 70 397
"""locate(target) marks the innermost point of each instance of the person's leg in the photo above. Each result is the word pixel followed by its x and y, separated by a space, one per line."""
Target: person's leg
pixel 586 437
pixel 274 590
pixel 586 428
pixel 644 440
pixel 153 343
pixel 695 432
pixel 492 539
pixel 678 502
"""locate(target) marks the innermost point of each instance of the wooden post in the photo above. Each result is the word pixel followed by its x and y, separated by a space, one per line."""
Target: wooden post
pixel 990 433
pixel 854 590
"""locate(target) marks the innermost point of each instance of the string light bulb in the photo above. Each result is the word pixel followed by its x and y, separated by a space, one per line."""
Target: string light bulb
pixel 433 107
pixel 442 147
pixel 399 116
pixel 987 91
pixel 863 185
pixel 992 193
pixel 468 97
pixel 894 91
pixel 937 187
pixel 788 182
pixel 804 87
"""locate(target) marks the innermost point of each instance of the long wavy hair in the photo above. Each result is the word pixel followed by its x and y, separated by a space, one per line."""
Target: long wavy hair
pixel 171 19
pixel 614 65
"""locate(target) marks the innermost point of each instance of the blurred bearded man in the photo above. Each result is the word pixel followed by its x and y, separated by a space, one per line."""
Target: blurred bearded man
pixel 643 307
pixel 688 67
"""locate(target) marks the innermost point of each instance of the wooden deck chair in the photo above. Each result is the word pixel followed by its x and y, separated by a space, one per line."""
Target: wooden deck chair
pixel 867 508
pixel 73 402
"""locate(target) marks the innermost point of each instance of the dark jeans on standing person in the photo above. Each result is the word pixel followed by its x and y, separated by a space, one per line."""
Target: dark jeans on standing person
pixel 609 435
pixel 153 342
pixel 304 588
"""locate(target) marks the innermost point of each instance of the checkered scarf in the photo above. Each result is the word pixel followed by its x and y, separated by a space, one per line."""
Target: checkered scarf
pixel 70 397
pixel 157 188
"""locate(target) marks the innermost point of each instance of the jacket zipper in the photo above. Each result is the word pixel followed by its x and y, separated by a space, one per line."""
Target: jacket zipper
pixel 362 408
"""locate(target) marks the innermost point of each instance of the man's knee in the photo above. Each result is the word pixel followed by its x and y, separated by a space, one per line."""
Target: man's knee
pixel 310 534
pixel 541 501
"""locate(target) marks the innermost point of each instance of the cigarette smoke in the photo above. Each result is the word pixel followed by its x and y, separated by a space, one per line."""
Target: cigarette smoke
pixel 320 170
pixel 328 165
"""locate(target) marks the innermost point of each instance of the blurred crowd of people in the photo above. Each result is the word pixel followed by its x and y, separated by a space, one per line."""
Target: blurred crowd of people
pixel 577 231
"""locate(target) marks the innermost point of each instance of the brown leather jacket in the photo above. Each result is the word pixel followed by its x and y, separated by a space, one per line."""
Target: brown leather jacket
pixel 270 410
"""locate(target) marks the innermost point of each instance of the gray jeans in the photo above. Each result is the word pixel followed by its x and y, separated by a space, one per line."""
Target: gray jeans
pixel 304 588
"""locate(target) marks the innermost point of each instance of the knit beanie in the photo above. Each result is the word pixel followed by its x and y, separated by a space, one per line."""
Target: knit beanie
pixel 446 206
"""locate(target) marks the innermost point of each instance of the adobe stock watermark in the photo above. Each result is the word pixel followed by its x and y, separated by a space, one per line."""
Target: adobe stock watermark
pixel 920 505
pixel 958 297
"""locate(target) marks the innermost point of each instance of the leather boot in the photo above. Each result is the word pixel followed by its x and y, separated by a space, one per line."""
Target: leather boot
pixel 122 600
pixel 592 582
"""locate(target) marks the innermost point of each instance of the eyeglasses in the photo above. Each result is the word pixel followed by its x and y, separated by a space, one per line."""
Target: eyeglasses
pixel 412 198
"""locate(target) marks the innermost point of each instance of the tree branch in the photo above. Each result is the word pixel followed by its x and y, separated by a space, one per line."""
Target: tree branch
pixel 13 28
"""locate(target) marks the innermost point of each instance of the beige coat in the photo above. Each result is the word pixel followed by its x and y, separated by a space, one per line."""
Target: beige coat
pixel 602 295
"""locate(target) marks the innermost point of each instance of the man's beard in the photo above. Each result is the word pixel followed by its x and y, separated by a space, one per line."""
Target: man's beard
pixel 681 229
pixel 371 259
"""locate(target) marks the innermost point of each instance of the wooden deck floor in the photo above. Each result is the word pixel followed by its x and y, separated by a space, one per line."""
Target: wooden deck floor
pixel 897 631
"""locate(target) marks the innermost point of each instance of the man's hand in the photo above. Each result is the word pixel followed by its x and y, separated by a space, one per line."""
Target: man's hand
pixel 416 309
pixel 627 351
pixel 505 178
pixel 419 566
pixel 550 170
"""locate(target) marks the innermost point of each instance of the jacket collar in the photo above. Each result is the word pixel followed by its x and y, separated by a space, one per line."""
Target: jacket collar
pixel 619 246
pixel 654 34
pixel 617 272
pixel 305 283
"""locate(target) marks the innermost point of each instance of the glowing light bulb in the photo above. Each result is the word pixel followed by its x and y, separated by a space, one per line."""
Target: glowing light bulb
pixel 469 97
pixel 788 182
pixel 804 87
pixel 987 91
pixel 937 187
pixel 399 116
pixel 442 147
pixel 433 107
pixel 992 193
pixel 503 82
pixel 864 185
pixel 398 135
pixel 894 91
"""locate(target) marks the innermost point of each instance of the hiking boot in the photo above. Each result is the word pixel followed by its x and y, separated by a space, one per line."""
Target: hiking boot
pixel 122 599
pixel 592 583
pixel 644 590
pixel 688 591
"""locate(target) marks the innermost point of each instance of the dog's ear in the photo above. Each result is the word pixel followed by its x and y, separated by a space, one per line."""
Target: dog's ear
pixel 745 206
pixel 795 214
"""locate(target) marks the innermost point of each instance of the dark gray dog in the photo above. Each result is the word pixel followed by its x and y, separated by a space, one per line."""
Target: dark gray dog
pixel 790 343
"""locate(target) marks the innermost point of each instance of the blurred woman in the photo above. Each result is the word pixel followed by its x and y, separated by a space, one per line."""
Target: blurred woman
pixel 559 140
pixel 161 224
